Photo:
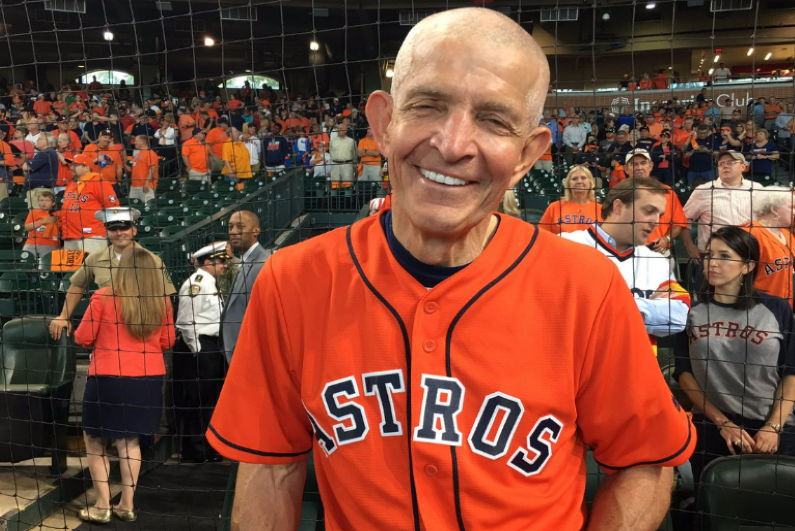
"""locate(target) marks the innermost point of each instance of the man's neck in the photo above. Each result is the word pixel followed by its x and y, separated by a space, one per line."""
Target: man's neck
pixel 206 271
pixel 443 251
pixel 613 230
pixel 732 180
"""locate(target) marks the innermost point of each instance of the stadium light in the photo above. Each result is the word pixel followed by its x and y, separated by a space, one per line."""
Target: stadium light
pixel 108 35
pixel 768 56
pixel 710 71
pixel 750 52
pixel 390 73
pixel 651 5
pixel 717 56
pixel 80 66
pixel 314 46
pixel 209 41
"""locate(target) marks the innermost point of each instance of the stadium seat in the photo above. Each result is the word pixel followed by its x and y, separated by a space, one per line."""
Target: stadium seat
pixel 171 230
pixel 208 210
pixel 16 297
pixel 150 243
pixel 13 205
pixel 223 186
pixel 146 229
pixel 536 202
pixel 165 185
pixel 178 212
pixel 197 202
pixel 36 376
pixel 749 492
pixel 17 260
pixel 191 187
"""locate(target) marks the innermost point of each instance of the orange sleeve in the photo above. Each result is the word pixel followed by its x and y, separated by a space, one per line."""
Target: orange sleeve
pixel 30 218
pixel 549 221
pixel 280 431
pixel 634 421
pixel 86 333
pixel 167 336
pixel 107 195
pixel 678 216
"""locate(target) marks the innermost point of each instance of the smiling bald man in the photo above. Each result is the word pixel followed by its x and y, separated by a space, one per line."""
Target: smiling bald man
pixel 419 352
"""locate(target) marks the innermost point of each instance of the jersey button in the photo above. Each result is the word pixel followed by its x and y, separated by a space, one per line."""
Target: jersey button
pixel 431 470
pixel 431 307
pixel 429 346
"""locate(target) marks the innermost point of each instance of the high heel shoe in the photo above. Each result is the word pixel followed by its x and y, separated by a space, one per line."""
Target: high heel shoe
pixel 125 516
pixel 102 517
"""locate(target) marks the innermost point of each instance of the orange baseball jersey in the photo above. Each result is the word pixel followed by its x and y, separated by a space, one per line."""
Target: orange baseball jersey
pixel 43 235
pixel 567 216
pixel 775 262
pixel 141 163
pixel 468 402
pixel 81 200
pixel 674 215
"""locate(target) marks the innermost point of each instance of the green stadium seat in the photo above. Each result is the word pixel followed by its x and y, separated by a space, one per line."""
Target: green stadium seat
pixel 20 218
pixel 148 230
pixel 676 390
pixel 172 194
pixel 197 202
pixel 13 205
pixel 160 202
pixel 192 220
pixel 536 202
pixel 191 187
pixel 178 212
pixel 165 185
pixel 223 186
pixel 748 492
pixel 150 243
pixel 171 230
pixel 15 294
pixel 16 260
pixel 36 380
pixel 208 210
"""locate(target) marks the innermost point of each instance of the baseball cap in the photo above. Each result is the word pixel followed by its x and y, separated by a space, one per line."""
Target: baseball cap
pixel 644 129
pixel 223 120
pixel 637 152
pixel 105 132
pixel 733 154
pixel 196 131
pixel 665 132
pixel 83 159
pixel 118 217
pixel 214 250
pixel 725 128
pixel 624 128
pixel 62 119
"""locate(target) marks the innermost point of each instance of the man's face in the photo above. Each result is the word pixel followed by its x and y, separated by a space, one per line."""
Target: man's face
pixel 640 218
pixel 703 133
pixel 730 169
pixel 46 203
pixel 41 143
pixel 621 138
pixel 343 130
pixel 33 128
pixel 644 133
pixel 121 237
pixel 103 141
pixel 242 233
pixel 639 166
pixel 458 134
pixel 216 267
pixel 63 126
pixel 650 119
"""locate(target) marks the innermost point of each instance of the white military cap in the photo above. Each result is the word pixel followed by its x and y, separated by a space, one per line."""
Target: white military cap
pixel 214 250
pixel 117 216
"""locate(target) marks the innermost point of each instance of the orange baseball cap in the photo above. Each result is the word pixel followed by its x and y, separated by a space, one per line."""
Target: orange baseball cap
pixel 82 159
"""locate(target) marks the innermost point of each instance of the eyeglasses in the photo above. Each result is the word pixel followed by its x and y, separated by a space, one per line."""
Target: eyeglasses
pixel 728 163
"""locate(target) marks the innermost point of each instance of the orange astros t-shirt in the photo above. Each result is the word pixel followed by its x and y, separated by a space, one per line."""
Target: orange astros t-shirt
pixel 459 413
pixel 142 161
pixel 566 216
pixel 43 235
pixel 674 215
pixel 215 138
pixel 82 199
pixel 112 159
pixel 775 261
pixel 197 154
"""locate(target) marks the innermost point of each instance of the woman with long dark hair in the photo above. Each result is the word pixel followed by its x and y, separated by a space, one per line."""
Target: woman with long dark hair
pixel 129 326
pixel 735 359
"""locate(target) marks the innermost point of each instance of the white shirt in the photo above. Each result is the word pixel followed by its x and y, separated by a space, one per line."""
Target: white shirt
pixel 714 205
pixel 168 138
pixel 646 273
pixel 253 146
pixel 342 149
pixel 200 307
pixel 247 254
pixel 722 74
pixel 321 169
pixel 574 135
pixel 32 138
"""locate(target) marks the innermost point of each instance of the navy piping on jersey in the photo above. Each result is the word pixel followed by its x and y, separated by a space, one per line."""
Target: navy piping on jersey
pixel 659 461
pixel 598 240
pixel 448 363
pixel 407 347
pixel 428 275
pixel 254 452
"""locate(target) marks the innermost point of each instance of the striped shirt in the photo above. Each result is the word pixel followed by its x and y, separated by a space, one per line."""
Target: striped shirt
pixel 714 205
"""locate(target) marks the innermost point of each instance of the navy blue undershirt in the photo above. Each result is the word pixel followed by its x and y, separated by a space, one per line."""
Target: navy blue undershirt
pixel 427 275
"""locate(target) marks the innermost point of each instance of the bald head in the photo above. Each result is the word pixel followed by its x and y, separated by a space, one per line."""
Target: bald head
pixel 495 31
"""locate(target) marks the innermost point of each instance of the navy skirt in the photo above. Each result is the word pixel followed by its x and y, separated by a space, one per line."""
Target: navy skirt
pixel 120 407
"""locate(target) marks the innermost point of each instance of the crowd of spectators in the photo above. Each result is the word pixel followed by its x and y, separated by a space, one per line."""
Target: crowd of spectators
pixel 682 138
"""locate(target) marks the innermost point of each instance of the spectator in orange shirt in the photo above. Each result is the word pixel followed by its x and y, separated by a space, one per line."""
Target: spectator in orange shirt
pixel 236 158
pixel 772 110
pixel 63 128
pixel 234 103
pixel 59 105
pixel 186 124
pixel 107 157
pixel 143 170
pixel 42 227
pixel 196 157
pixel 660 80
pixel 83 197
pixel 317 136
pixel 370 158
pixel 77 106
pixel 645 82
pixel 578 209
pixel 7 161
pixel 215 138
pixel 66 153
pixel 42 107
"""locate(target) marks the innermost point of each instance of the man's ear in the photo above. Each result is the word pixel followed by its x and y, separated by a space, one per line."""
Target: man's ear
pixel 379 115
pixel 535 146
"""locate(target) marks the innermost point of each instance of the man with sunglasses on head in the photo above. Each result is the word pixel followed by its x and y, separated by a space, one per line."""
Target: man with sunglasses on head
pixel 726 201
pixel 99 267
